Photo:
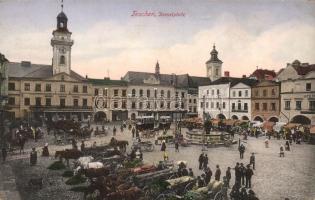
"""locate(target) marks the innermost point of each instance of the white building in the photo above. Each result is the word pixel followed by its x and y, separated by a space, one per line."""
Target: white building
pixel 297 93
pixel 240 99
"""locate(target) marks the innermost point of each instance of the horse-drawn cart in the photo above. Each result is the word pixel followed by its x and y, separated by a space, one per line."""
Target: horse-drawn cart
pixel 145 146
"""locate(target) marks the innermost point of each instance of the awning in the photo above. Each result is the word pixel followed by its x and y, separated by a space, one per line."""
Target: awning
pixel 291 125
pixel 312 130
pixel 268 126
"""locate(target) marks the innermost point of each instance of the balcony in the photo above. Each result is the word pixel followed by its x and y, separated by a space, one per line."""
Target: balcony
pixel 242 111
pixel 60 108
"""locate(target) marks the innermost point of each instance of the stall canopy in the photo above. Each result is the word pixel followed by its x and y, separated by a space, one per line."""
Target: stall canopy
pixel 312 130
pixel 268 126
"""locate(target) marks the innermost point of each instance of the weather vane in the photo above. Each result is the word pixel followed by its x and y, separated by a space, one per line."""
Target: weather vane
pixel 61 5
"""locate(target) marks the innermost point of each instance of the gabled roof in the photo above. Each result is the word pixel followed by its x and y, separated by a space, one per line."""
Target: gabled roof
pixel 36 71
pixel 263 74
pixel 180 81
pixel 225 80
pixel 303 70
pixel 247 81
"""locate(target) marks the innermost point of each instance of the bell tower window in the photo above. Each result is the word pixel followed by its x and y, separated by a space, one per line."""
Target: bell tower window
pixel 217 72
pixel 62 60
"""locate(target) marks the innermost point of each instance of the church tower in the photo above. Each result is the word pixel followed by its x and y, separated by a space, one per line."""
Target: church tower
pixel 214 66
pixel 61 43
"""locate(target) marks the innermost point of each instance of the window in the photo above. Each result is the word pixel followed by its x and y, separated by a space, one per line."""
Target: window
pixel 133 93
pixel 11 101
pixel 183 94
pixel 105 92
pixel 207 104
pixel 273 92
pixel 308 86
pixel 133 105
pixel 62 88
pixel 233 93
pixel 273 106
pixel 312 105
pixel 62 102
pixel 123 93
pixel 38 101
pixel 75 102
pixel 123 104
pixel 48 87
pixel 176 94
pixel 218 91
pixel 11 86
pixel 207 92
pixel 168 105
pixel 233 106
pixel 246 93
pixel 182 105
pixel 298 105
pixel 115 104
pixel 26 101
pixel 75 88
pixel 37 87
pixel 95 91
pixel 84 102
pixel 287 105
pixel 148 93
pixel 265 106
pixel 62 77
pixel 245 106
pixel 264 93
pixel 189 100
pixel 27 86
pixel 212 104
pixel 115 93
pixel 223 105
pixel 190 109
pixel 162 104
pixel 239 93
pixel 217 72
pixel 256 93
pixel 218 105
pixel 141 93
pixel 168 94
pixel 155 105
pixel 84 89
pixel 201 104
pixel 239 106
pixel 212 92
pixel 155 93
pixel 48 101
pixel 140 105
pixel 62 60
pixel 195 109
pixel 256 106
pixel 148 105
pixel 195 100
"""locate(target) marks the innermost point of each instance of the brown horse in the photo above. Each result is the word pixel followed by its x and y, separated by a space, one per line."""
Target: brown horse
pixel 68 154
pixel 96 172
pixel 122 144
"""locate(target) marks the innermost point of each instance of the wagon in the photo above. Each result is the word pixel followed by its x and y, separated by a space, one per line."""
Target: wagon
pixel 145 146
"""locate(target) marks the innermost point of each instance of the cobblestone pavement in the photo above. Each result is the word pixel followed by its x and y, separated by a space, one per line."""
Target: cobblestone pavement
pixel 275 178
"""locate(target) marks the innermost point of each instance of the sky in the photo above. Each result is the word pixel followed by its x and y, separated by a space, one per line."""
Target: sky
pixel 108 40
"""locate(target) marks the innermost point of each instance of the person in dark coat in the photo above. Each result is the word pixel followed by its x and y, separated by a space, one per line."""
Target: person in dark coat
pixel 114 131
pixel 241 149
pixel 200 161
pixel 33 157
pixel 208 174
pixel 242 172
pixel 82 146
pixel 228 176
pixel 237 175
pixel 74 144
pixel 243 194
pixel 217 173
pixel 252 195
pixel 176 146
pixel 45 152
pixel 200 182
pixel 205 161
pixel 235 193
pixel 252 160
pixel 163 146
pixel 4 154
pixel 249 173
pixel 191 173
pixel 133 132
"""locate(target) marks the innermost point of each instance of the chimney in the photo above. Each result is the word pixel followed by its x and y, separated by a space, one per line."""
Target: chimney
pixel 244 76
pixel 86 76
pixel 227 73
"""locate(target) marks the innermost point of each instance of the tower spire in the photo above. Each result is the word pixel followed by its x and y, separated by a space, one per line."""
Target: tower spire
pixel 61 5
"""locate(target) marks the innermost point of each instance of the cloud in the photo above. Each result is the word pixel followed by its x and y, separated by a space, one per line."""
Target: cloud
pixel 136 45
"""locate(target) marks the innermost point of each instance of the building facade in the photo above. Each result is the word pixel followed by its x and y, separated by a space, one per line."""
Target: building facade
pixel 266 101
pixel 297 93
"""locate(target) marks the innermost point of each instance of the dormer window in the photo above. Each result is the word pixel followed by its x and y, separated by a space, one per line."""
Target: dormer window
pixel 62 60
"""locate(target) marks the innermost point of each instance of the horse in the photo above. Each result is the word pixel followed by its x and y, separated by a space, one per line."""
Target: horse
pixel 122 144
pixel 68 154
pixel 96 172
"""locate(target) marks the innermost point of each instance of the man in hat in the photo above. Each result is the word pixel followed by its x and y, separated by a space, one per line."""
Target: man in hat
pixel 252 160
pixel 249 173
pixel 228 176
pixel 201 157
pixel 243 171
pixel 33 157
pixel 217 173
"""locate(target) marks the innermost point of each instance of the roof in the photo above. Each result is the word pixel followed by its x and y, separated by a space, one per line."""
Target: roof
pixel 264 74
pixel 247 81
pixel 225 80
pixel 303 70
pixel 37 71
pixel 107 81
pixel 62 15
pixel 181 81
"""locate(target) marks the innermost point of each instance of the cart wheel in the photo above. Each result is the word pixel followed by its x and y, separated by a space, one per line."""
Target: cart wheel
pixel 189 186
pixel 218 196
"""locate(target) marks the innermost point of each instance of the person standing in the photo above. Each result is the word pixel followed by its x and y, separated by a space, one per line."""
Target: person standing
pixel 82 146
pixel 217 173
pixel 281 151
pixel 249 174
pixel 176 146
pixel 208 174
pixel 252 160
pixel 33 157
pixel 205 161
pixel 200 161
pixel 133 131
pixel 4 154
pixel 241 149
pixel 191 173
pixel 45 152
pixel 163 146
pixel 114 131
pixel 228 176
pixel 242 172
pixel 237 174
